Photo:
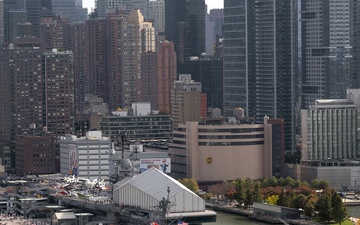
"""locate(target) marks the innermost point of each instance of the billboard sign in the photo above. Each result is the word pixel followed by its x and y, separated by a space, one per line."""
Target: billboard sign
pixel 163 164
pixel 73 160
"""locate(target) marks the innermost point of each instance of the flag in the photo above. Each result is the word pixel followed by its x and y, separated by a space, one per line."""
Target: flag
pixel 153 223
pixel 182 223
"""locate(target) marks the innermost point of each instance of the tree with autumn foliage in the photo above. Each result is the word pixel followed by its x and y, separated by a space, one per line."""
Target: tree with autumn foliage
pixel 221 189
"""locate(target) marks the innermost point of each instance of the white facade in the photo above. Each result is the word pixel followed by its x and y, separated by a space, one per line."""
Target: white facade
pixel 146 190
pixel 330 130
pixel 141 108
pixel 86 156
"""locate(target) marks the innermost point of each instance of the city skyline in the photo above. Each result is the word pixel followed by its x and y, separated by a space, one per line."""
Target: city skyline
pixel 212 4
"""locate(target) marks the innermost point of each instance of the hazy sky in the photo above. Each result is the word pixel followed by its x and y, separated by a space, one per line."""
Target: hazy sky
pixel 211 4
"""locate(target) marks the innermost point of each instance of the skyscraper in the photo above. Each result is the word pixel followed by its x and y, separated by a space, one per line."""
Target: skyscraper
pixel 22 94
pixel 15 17
pixel 65 35
pixel 158 73
pixel 326 49
pixel 217 16
pixel 185 26
pixel 104 6
pixel 1 22
pixel 16 6
pixel 260 60
pixel 58 101
pixel 64 9
pixel 37 9
pixel 167 73
pixel 138 37
pixel 208 71
pixel 39 90
pixel 113 48
pixel 95 57
pixel 355 44
pixel 156 12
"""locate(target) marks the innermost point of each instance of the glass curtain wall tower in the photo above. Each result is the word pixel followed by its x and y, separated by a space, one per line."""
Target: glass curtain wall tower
pixel 326 48
pixel 260 49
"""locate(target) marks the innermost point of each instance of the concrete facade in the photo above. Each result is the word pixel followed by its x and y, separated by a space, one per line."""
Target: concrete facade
pixel 210 153
pixel 58 77
pixel 86 156
pixel 339 177
pixel 35 154
pixel 136 127
pixel 185 100
pixel 330 130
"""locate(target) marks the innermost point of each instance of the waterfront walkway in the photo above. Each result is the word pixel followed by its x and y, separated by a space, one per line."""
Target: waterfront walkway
pixel 230 208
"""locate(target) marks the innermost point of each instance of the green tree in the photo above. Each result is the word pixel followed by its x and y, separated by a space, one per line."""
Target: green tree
pixel 257 193
pixel 309 208
pixel 283 199
pixel 338 210
pixel 323 206
pixel 190 183
pixel 305 183
pixel 240 191
pixel 324 184
pixel 281 182
pixel 273 181
pixel 249 183
pixel 265 183
pixel 297 183
pixel 315 184
pixel 298 201
pixel 290 182
pixel 248 198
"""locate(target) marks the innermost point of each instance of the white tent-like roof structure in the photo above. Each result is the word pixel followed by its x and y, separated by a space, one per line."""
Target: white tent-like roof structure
pixel 147 189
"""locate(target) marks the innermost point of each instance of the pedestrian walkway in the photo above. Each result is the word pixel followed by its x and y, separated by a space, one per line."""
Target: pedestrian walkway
pixel 354 220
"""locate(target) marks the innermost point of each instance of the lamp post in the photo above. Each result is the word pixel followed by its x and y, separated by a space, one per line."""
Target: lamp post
pixel 123 139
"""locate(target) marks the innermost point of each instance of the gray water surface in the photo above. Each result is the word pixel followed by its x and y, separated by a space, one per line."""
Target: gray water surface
pixel 233 219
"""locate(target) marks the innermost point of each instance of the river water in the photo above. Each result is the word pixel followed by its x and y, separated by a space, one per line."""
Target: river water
pixel 232 219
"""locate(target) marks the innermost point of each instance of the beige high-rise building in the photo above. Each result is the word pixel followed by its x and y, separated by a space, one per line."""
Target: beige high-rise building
pixel 185 100
pixel 138 37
